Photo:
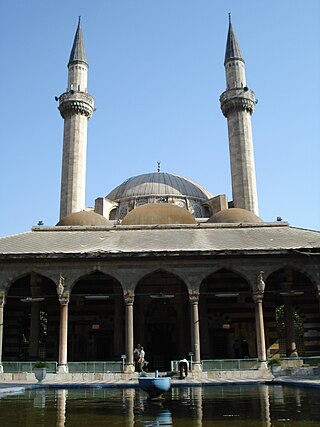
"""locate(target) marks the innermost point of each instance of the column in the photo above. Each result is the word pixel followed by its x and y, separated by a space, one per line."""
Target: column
pixel 2 303
pixel 129 299
pixel 258 294
pixel 63 333
pixel 195 331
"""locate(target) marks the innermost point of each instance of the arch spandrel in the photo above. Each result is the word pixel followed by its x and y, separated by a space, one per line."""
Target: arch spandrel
pixel 310 272
pixel 249 278
pixel 9 281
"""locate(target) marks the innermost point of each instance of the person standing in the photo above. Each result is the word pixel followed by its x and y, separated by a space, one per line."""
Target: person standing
pixel 183 368
pixel 136 356
pixel 141 359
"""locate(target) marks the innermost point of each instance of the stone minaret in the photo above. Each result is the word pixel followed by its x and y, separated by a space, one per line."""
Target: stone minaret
pixel 76 107
pixel 237 105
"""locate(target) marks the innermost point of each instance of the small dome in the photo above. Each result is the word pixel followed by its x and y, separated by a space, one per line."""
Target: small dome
pixel 235 215
pixel 153 213
pixel 83 218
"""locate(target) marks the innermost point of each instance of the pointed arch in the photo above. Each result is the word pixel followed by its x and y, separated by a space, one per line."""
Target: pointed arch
pixel 30 320
pixel 226 313
pixel 162 317
pixel 96 313
pixel 291 308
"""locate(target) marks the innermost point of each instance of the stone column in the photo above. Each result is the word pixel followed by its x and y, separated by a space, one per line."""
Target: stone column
pixel 2 303
pixel 129 299
pixel 63 334
pixel 64 298
pixel 195 331
pixel 257 296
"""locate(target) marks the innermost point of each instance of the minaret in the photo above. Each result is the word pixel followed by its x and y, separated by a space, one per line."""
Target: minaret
pixel 237 105
pixel 76 107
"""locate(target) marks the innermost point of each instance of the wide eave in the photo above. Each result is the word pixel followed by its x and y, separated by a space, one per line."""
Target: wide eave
pixel 191 240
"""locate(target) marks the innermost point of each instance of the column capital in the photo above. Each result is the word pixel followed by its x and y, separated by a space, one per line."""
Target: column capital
pixel 128 297
pixel 64 299
pixel 259 288
pixel 2 299
pixel 194 297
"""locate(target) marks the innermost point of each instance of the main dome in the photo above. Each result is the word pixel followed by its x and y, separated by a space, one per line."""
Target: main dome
pixel 159 183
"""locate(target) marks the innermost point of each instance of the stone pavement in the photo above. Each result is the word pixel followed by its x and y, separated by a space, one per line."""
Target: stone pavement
pixel 9 387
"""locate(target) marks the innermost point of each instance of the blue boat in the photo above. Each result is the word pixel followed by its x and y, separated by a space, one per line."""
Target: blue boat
pixel 155 386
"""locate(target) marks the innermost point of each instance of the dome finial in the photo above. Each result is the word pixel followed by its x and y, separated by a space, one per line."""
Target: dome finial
pixel 229 17
pixel 79 21
pixel 158 168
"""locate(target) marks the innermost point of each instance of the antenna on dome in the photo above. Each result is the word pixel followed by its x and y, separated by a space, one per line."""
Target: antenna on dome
pixel 158 168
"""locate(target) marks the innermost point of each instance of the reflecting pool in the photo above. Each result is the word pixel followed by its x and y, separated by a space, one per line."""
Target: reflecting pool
pixel 228 406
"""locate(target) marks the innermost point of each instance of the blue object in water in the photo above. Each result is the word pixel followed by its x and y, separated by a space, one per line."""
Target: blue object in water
pixel 155 386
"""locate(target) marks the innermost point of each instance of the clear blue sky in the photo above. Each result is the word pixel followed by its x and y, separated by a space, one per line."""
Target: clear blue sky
pixel 156 73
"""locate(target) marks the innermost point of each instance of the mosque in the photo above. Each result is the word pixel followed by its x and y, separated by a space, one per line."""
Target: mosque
pixel 159 260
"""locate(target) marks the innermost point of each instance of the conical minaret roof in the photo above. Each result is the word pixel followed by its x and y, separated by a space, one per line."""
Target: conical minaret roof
pixel 78 52
pixel 232 49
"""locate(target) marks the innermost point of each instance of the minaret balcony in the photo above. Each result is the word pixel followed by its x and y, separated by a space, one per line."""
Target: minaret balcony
pixel 237 99
pixel 74 102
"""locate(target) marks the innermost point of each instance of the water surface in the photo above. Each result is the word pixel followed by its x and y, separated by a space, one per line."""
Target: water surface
pixel 228 406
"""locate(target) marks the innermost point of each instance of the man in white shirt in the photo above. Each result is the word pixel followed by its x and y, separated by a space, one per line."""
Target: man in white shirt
pixel 183 368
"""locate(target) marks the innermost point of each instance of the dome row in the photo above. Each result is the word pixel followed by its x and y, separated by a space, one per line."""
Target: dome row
pixel 165 213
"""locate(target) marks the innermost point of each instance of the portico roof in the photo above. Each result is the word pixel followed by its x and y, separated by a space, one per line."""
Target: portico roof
pixel 147 240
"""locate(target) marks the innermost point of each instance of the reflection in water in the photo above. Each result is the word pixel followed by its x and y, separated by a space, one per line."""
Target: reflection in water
pixel 128 399
pixel 61 396
pixel 232 405
pixel 196 393
pixel 265 406
pixel 39 400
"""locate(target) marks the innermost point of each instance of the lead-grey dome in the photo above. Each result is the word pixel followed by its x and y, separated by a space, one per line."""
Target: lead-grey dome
pixel 83 218
pixel 159 184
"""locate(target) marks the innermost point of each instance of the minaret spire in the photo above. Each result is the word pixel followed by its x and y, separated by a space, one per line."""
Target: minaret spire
pixel 237 105
pixel 78 52
pixel 76 107
pixel 232 49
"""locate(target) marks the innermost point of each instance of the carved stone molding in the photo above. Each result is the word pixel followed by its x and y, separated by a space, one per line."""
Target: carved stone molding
pixel 258 292
pixel 2 300
pixel 128 298
pixel 76 103
pixel 237 100
pixel 60 286
pixel 64 299
pixel 194 297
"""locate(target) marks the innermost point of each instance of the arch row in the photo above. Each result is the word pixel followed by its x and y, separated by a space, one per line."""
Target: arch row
pixel 99 312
